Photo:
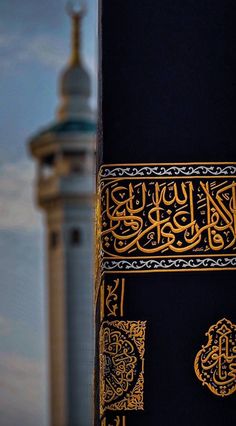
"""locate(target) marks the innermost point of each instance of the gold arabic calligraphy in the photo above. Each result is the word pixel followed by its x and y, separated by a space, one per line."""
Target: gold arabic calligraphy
pixel 215 363
pixel 112 298
pixel 148 217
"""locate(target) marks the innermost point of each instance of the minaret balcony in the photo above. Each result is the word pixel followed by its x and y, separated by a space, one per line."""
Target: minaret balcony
pixel 65 187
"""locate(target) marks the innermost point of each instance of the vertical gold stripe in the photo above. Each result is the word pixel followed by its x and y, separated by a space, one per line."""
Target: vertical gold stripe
pixel 102 302
pixel 122 297
pixel 234 207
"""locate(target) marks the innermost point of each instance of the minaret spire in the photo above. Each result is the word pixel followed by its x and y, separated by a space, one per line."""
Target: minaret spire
pixel 75 87
pixel 75 53
pixel 76 11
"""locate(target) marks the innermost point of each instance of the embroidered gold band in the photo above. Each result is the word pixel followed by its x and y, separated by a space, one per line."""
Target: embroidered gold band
pixel 165 217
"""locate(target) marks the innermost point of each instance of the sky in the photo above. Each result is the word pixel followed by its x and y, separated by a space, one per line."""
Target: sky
pixel 34 48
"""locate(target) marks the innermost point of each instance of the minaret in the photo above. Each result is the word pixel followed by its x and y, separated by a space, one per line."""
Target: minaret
pixel 65 191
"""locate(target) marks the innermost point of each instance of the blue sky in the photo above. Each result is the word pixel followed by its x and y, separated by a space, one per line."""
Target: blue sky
pixel 34 48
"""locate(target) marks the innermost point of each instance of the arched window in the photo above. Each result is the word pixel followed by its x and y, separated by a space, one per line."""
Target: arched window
pixel 53 239
pixel 75 237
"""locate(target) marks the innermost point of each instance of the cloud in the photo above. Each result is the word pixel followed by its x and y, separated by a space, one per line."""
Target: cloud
pixel 5 327
pixel 7 40
pixel 16 50
pixel 45 49
pixel 17 210
pixel 22 391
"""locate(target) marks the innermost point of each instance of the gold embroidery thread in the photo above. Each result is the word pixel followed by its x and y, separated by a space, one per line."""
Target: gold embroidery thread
pixel 112 298
pixel 117 421
pixel 147 218
pixel 122 348
pixel 215 363
pixel 167 217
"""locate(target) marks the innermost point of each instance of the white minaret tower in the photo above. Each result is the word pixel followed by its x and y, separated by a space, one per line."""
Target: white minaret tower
pixel 65 190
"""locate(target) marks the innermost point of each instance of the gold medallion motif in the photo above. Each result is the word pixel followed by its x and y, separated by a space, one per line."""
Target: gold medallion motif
pixel 215 363
pixel 122 365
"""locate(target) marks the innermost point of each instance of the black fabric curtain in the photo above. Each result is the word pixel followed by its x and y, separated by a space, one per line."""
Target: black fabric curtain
pixel 166 214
